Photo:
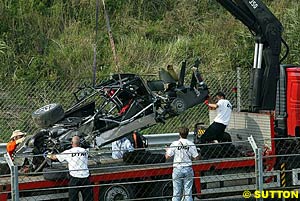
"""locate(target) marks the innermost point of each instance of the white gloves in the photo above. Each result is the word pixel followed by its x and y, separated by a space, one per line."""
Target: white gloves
pixel 51 156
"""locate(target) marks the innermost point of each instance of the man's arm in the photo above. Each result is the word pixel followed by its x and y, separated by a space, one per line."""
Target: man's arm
pixel 128 146
pixel 196 158
pixel 195 154
pixel 52 156
pixel 212 106
pixel 169 152
pixel 167 156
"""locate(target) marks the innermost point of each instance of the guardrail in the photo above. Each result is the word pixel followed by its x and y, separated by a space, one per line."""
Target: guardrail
pixel 164 138
pixel 2 148
pixel 153 140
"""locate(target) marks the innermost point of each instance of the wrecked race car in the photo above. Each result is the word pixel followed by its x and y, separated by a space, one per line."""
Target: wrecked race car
pixel 113 109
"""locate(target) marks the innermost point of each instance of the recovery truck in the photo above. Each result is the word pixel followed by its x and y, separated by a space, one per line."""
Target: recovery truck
pixel 273 119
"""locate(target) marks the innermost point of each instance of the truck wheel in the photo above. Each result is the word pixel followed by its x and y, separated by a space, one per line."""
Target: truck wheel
pixel 48 115
pixel 166 192
pixel 116 192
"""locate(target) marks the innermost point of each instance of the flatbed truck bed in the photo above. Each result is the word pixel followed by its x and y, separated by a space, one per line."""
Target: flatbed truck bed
pixel 116 171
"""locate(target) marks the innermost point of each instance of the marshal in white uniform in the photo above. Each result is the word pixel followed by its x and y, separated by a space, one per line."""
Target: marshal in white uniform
pixel 216 130
pixel 77 158
pixel 183 151
pixel 121 146
pixel 224 112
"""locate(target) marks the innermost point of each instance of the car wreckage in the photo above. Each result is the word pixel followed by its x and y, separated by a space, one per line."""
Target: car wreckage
pixel 113 109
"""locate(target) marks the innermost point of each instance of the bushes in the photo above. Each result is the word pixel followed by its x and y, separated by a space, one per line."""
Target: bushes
pixel 54 38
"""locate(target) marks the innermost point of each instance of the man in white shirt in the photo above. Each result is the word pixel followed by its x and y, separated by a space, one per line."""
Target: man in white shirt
pixel 77 159
pixel 184 151
pixel 216 130
pixel 120 147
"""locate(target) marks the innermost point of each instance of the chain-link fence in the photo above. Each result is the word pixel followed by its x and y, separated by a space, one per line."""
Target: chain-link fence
pixel 286 165
pixel 223 172
pixel 142 174
pixel 20 98
pixel 256 167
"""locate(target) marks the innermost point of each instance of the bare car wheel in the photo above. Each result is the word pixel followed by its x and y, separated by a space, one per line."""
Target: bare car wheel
pixel 48 115
pixel 178 106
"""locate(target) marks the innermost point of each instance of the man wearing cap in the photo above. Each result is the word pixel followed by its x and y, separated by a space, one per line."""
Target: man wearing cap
pixel 216 130
pixel 16 138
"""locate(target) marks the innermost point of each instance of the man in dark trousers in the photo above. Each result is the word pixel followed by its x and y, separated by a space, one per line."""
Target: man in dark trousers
pixel 184 151
pixel 216 130
pixel 77 159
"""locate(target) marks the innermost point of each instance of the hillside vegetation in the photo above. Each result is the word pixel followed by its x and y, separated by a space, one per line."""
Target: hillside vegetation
pixel 55 38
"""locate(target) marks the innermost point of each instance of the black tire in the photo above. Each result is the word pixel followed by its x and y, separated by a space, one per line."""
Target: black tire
pixel 166 191
pixel 4 169
pixel 48 115
pixel 116 192
pixel 54 174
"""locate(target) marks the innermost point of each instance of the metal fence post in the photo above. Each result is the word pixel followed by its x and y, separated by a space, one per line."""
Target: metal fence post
pixel 238 83
pixel 259 170
pixel 14 178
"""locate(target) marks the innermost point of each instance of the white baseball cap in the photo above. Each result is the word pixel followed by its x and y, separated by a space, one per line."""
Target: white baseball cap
pixel 17 133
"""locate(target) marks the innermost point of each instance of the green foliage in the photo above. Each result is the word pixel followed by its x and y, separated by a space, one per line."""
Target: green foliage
pixel 292 30
pixel 55 38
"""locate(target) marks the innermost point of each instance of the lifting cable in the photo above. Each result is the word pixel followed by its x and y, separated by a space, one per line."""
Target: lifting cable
pixel 95 44
pixel 112 43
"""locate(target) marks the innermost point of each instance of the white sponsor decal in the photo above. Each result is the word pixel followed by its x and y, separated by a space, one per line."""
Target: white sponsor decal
pixel 253 4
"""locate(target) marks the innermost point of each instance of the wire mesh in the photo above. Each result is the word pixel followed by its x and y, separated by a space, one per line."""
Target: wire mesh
pixel 224 169
pixel 284 161
pixel 144 174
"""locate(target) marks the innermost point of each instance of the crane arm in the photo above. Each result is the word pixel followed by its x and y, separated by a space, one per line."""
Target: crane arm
pixel 267 31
